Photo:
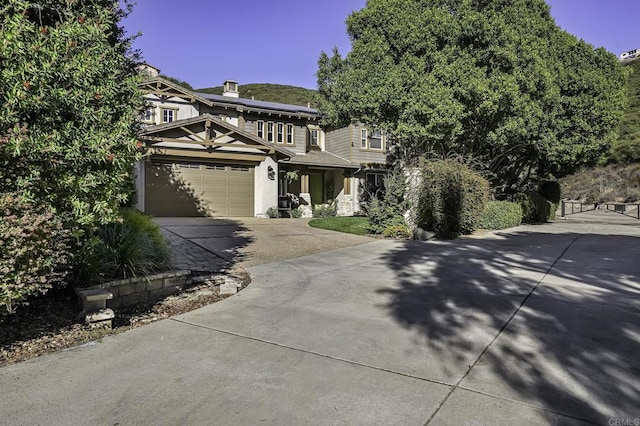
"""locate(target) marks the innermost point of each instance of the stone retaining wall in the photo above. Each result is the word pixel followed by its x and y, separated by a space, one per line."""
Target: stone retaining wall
pixel 144 289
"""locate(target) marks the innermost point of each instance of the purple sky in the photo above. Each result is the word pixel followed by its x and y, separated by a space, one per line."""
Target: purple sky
pixel 279 41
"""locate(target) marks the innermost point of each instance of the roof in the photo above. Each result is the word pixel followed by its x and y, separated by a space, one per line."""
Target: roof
pixel 321 158
pixel 150 130
pixel 252 103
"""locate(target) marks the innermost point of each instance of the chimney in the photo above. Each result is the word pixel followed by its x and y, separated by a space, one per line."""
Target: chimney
pixel 231 89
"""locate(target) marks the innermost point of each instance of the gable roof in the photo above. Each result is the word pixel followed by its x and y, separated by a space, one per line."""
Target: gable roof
pixel 152 132
pixel 163 87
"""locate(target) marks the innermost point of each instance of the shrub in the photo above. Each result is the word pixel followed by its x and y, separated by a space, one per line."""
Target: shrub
pixel 35 251
pixel 272 212
pixel 389 208
pixel 70 108
pixel 397 231
pixel 451 198
pixel 535 208
pixel 131 247
pixel 500 215
pixel 550 190
pixel 296 213
pixel 324 210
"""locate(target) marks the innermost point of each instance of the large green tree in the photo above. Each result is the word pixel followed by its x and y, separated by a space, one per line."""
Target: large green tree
pixel 627 148
pixel 69 106
pixel 495 82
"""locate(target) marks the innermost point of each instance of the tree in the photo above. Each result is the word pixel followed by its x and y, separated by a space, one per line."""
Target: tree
pixel 70 107
pixel 627 148
pixel 495 82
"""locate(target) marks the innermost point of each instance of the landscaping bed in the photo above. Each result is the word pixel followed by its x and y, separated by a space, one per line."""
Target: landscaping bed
pixel 51 323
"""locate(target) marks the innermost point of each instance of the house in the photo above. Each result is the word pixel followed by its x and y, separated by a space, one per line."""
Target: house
pixel 222 155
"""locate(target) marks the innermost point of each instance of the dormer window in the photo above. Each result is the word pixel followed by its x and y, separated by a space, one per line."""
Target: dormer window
pixel 169 114
pixel 375 140
pixel 147 115
pixel 314 137
pixel 371 140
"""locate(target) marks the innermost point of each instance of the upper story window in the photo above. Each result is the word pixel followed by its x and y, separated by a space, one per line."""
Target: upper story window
pixel 375 140
pixel 169 115
pixel 147 115
pixel 314 137
pixel 371 140
pixel 280 133
pixel 260 126
pixel 270 131
pixel 289 135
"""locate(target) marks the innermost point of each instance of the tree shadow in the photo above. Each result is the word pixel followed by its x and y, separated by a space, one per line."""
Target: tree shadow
pixel 205 244
pixel 574 346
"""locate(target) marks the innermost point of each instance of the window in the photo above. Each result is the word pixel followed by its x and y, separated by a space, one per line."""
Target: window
pixel 290 134
pixel 270 131
pixel 375 140
pixel 261 129
pixel 239 168
pixel 215 167
pixel 188 166
pixel 147 115
pixel 280 133
pixel 168 115
pixel 313 137
pixel 374 180
pixel 371 140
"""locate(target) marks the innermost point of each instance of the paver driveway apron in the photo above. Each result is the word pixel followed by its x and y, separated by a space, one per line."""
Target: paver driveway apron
pixel 537 326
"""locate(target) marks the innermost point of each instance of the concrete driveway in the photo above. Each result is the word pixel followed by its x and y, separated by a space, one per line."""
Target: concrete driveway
pixel 539 325
pixel 210 244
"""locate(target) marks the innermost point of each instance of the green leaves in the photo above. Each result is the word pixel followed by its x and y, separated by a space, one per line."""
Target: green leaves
pixel 70 102
pixel 496 82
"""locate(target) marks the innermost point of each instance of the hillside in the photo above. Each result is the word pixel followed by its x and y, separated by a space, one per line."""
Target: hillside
pixel 619 183
pixel 271 93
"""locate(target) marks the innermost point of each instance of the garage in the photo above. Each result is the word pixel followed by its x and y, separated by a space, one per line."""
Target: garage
pixel 199 189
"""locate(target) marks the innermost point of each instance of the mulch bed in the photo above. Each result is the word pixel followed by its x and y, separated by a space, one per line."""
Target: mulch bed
pixel 51 322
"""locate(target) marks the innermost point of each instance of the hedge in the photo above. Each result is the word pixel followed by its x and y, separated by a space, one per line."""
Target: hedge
pixel 501 215
pixel 451 198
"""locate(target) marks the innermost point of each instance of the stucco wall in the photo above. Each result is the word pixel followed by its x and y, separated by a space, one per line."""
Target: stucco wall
pixel 266 190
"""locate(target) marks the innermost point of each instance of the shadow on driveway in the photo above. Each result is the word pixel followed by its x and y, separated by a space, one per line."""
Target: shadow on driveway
pixel 205 244
pixel 572 345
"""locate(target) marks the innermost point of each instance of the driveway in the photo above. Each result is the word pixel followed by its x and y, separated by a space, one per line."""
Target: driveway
pixel 538 325
pixel 210 244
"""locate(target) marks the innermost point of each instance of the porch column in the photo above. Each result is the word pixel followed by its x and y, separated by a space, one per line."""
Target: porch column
pixel 304 183
pixel 305 197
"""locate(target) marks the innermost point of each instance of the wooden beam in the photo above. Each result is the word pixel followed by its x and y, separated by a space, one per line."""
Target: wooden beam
pixel 204 154
pixel 192 133
pixel 229 133
pixel 155 140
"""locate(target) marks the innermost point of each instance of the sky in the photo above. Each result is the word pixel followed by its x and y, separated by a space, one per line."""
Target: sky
pixel 206 42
